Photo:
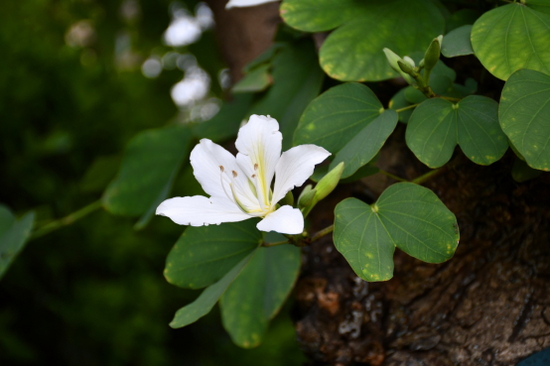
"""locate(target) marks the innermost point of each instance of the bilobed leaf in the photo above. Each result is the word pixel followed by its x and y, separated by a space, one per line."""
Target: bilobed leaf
pixel 256 80
pixel 297 79
pixel 319 15
pixel 406 215
pixel 202 255
pixel 353 52
pixel 365 145
pixel 457 42
pixel 256 296
pixel 151 161
pixel 525 116
pixel 512 37
pixel 335 117
pixel 540 5
pixel 437 126
pixel 13 236
pixel 208 298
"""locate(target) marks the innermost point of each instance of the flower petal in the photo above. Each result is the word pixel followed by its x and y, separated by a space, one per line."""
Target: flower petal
pixel 259 144
pixel 199 211
pixel 244 3
pixel 286 220
pixel 295 167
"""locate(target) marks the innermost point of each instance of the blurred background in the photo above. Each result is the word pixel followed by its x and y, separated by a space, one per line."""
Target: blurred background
pixel 78 79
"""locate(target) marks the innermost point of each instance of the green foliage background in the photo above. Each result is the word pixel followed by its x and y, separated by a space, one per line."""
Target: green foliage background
pixel 94 293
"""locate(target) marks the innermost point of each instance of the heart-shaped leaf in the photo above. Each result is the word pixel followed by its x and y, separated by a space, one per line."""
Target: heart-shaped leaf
pixel 151 161
pixel 335 117
pixel 437 126
pixel 457 42
pixel 525 116
pixel 203 255
pixel 256 296
pixel 13 236
pixel 365 145
pixel 406 215
pixel 512 37
pixel 208 298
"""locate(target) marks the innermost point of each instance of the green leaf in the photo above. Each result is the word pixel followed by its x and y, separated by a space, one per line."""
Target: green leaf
pixel 457 42
pixel 151 161
pixel 413 95
pixel 256 80
pixel 227 121
pixel 521 172
pixel 353 52
pixel 208 298
pixel 101 172
pixel 202 255
pixel 258 293
pixel 13 236
pixel 319 15
pixel 525 116
pixel 437 126
pixel 335 117
pixel 406 215
pixel 297 79
pixel 512 37
pixel 365 145
pixel 540 5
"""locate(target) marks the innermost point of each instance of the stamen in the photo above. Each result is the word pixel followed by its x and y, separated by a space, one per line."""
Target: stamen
pixel 256 166
pixel 254 175
pixel 234 174
pixel 222 169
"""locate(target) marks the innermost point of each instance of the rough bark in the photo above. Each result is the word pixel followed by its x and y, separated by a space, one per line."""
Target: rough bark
pixel 489 305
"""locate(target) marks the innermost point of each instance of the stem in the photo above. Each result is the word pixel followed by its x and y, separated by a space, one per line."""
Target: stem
pixel 426 176
pixel 407 108
pixel 69 219
pixel 323 232
pixel 274 244
pixel 450 99
pixel 397 178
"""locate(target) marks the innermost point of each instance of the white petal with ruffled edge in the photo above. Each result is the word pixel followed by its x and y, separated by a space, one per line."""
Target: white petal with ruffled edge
pixel 295 166
pixel 286 220
pixel 245 3
pixel 259 143
pixel 199 210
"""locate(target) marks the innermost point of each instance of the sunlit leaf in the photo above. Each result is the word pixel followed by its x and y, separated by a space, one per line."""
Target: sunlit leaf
pixel 150 163
pixel 14 234
pixel 202 255
pixel 437 126
pixel 406 215
pixel 525 116
pixel 334 118
pixel 512 37
pixel 365 145
pixel 256 296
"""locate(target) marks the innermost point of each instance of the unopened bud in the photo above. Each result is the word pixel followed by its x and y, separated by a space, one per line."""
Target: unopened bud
pixel 328 183
pixel 306 197
pixel 393 60
pixel 432 53
pixel 409 61
pixel 405 67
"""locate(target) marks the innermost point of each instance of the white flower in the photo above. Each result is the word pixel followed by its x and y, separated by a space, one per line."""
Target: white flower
pixel 245 3
pixel 240 187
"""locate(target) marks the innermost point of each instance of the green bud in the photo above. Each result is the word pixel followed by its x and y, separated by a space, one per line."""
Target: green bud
pixel 328 183
pixel 306 197
pixel 288 199
pixel 393 60
pixel 432 53
pixel 409 61
pixel 405 67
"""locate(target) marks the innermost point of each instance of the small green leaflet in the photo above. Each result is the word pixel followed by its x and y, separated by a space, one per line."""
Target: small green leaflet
pixel 406 215
pixel 259 292
pixel 525 116
pixel 457 42
pixel 13 236
pixel 437 126
pixel 256 80
pixel 202 255
pixel 512 37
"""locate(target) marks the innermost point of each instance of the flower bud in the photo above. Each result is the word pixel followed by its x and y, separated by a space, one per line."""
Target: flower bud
pixel 393 60
pixel 306 197
pixel 432 53
pixel 405 67
pixel 328 183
